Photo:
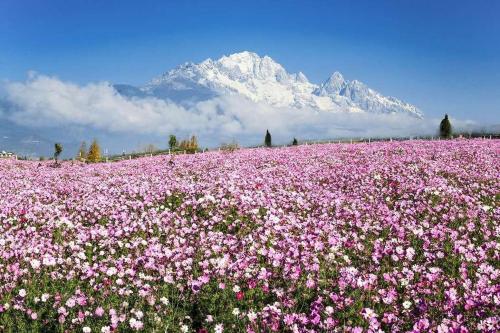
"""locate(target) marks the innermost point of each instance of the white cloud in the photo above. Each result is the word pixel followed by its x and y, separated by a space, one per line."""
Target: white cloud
pixel 44 101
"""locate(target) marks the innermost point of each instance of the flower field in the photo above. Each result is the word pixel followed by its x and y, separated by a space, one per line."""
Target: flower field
pixel 392 237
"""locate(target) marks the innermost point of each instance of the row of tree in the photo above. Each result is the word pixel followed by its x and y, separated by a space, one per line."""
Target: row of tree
pixel 268 140
pixel 445 131
pixel 188 145
pixel 93 154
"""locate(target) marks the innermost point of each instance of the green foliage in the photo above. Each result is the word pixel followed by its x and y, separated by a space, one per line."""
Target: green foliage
pixel 57 150
pixel 445 130
pixel 267 139
pixel 172 141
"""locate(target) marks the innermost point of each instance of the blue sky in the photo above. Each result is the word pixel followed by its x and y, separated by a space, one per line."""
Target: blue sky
pixel 443 56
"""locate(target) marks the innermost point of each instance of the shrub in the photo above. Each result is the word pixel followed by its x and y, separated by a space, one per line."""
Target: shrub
pixel 57 151
pixel 229 147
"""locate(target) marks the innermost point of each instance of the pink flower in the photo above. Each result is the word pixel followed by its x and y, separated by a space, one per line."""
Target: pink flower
pixel 99 311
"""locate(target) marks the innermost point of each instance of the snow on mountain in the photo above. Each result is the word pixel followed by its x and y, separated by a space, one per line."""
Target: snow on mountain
pixel 357 94
pixel 261 79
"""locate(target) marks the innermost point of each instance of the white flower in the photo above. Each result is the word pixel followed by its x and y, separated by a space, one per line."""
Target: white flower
pixel 105 329
pixel 111 271
pixel 22 292
pixel 486 208
pixel 209 319
pixel 410 253
pixel 252 315
pixel 236 289
pixel 35 263
pixel 329 310
pixel 49 261
pixel 164 300
pixel 219 328
pixel 236 311
pixel 184 328
pixel 135 324
pixel 87 329
pixel 139 314
pixel 45 297
pixel 406 304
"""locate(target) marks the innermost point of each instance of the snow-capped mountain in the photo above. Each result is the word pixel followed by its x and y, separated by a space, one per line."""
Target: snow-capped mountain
pixel 357 94
pixel 261 79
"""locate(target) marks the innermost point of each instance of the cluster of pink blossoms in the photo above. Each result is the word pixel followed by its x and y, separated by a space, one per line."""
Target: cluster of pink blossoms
pixel 380 237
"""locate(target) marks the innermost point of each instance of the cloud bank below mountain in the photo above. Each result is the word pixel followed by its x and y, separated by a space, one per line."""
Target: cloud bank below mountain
pixel 48 102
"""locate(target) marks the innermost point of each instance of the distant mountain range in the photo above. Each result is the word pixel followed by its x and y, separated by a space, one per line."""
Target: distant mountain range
pixel 261 79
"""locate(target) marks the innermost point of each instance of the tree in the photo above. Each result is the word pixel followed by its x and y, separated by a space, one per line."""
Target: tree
pixel 445 128
pixel 193 143
pixel 295 142
pixel 189 145
pixel 82 151
pixel 57 150
pixel 172 141
pixel 267 140
pixel 94 154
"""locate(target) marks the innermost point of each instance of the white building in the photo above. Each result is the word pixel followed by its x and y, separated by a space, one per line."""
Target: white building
pixel 5 154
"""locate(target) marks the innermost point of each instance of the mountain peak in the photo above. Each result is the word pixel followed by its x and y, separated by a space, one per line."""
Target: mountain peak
pixel 333 85
pixel 261 79
pixel 247 65
pixel 336 76
pixel 301 77
pixel 242 56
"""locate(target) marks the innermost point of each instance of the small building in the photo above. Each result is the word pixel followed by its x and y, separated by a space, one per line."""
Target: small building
pixel 6 154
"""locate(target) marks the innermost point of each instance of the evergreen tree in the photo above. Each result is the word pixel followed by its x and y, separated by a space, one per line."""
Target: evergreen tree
pixel 445 128
pixel 172 141
pixel 57 150
pixel 295 142
pixel 267 140
pixel 82 151
pixel 94 154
